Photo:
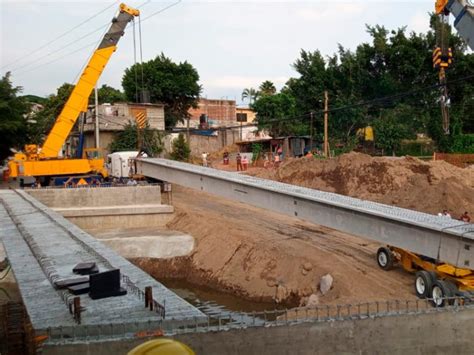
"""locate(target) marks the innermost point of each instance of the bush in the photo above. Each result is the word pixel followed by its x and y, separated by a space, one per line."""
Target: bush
pixel 181 149
pixel 462 143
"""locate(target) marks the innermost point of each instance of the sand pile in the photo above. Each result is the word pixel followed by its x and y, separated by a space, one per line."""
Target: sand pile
pixel 405 182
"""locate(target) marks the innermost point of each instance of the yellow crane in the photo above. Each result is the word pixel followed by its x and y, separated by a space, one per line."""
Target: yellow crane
pixel 44 161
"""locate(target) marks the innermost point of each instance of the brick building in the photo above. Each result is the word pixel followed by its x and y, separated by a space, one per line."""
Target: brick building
pixel 216 110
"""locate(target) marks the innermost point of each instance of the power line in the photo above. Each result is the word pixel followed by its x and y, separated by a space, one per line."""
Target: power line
pixel 346 107
pixel 59 58
pixel 19 59
pixel 79 39
pixel 162 10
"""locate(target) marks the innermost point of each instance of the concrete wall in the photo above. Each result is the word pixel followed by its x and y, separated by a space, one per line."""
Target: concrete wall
pixel 98 197
pixel 108 207
pixel 129 220
pixel 447 332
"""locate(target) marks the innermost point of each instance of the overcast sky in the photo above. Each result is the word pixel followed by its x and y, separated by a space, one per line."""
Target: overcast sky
pixel 232 44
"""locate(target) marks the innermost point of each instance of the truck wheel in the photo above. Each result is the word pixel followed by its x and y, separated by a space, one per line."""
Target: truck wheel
pixel 442 290
pixel 424 284
pixel 385 258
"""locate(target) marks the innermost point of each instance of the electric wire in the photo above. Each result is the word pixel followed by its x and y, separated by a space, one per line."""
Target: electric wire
pixel 342 108
pixel 28 55
pixel 59 58
pixel 161 10
pixel 18 70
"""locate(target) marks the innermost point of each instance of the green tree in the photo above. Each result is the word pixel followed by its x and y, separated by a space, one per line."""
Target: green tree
pixel 249 93
pixel 108 94
pixel 267 88
pixel 389 130
pixel 45 119
pixel 181 149
pixel 13 124
pixel 127 140
pixel 173 84
pixel 275 113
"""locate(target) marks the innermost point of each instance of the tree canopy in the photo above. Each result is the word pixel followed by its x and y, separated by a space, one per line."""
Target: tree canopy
pixel 13 123
pixel 108 94
pixel 173 84
pixel 395 66
pixel 44 119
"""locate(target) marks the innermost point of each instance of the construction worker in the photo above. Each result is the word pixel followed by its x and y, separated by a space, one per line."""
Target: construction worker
pixel 445 213
pixel 277 160
pixel 238 159
pixel 204 159
pixel 465 217
pixel 245 162
pixel 162 347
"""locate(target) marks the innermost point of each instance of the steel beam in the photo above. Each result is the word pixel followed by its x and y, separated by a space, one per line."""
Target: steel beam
pixel 441 238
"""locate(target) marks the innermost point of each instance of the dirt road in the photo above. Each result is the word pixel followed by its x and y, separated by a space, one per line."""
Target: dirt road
pixel 261 255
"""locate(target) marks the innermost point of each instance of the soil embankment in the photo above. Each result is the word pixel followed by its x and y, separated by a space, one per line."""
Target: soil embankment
pixel 263 256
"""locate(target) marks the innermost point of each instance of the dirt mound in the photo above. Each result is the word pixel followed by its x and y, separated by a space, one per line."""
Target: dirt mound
pixel 405 182
pixel 266 257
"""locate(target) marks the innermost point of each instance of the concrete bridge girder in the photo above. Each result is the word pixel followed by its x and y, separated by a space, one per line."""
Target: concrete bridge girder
pixel 441 238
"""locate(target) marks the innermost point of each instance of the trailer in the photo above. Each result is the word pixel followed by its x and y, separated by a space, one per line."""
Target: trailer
pixel 442 283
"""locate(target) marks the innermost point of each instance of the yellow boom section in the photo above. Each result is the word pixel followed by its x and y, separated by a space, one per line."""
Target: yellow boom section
pixel 77 102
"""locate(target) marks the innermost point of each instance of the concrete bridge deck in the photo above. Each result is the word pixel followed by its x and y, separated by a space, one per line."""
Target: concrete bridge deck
pixel 42 247
pixel 444 239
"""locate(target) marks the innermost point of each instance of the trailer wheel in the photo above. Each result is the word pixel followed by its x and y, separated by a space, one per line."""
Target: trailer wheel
pixel 424 284
pixel 385 258
pixel 442 290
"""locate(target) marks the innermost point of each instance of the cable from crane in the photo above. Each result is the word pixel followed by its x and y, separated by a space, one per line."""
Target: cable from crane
pixel 135 61
pixel 141 58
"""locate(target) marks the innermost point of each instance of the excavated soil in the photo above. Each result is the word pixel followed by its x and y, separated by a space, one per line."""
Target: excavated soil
pixel 263 256
pixel 405 182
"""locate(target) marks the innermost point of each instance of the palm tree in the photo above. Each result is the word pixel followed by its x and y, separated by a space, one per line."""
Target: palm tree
pixel 249 93
pixel 267 88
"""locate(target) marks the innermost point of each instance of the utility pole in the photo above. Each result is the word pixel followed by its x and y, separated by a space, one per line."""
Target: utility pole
pixel 96 117
pixel 326 143
pixel 311 133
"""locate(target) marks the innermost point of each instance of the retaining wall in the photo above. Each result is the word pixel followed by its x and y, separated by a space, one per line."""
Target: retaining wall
pixel 108 207
pixel 440 332
pixel 98 196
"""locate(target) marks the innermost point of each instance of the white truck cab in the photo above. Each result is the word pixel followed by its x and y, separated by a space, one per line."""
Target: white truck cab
pixel 119 163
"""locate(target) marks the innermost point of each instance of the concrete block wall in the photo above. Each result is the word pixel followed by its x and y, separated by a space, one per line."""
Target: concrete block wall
pixel 98 197
pixel 108 207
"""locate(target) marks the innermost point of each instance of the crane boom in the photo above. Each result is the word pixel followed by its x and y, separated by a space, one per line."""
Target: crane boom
pixel 79 97
pixel 463 11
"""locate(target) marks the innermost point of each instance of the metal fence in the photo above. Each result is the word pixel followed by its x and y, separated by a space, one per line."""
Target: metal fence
pixel 226 320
